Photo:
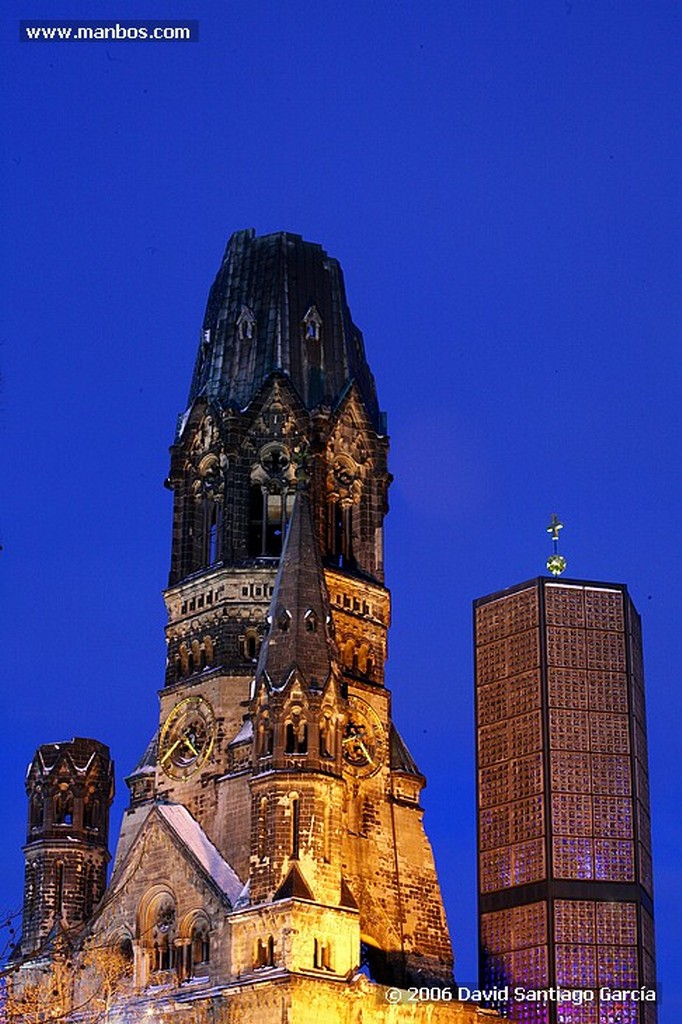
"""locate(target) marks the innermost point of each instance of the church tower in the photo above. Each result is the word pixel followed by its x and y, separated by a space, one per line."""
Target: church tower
pixel 565 879
pixel 273 849
pixel 70 787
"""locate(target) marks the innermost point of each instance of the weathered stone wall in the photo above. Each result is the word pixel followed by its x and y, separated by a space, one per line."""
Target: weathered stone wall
pixel 154 869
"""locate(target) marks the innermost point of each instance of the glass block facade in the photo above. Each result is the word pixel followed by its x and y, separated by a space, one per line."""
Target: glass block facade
pixel 565 885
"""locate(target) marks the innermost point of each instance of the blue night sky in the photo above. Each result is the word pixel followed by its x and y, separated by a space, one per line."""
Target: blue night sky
pixel 500 180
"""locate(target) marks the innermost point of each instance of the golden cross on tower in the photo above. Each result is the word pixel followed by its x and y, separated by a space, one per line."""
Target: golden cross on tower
pixel 556 563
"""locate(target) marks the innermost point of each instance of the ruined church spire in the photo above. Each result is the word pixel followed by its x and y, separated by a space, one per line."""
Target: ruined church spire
pixel 279 303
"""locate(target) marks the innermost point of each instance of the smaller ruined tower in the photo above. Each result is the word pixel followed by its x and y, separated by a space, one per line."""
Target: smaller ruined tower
pixel 70 787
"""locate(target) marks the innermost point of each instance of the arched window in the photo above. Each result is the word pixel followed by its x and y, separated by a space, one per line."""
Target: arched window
pixel 163 957
pixel 199 947
pixel 250 644
pixel 296 738
pixel 156 932
pixel 340 533
pixel 275 515
pixel 206 485
pixel 212 532
pixel 246 324
pixel 265 952
pixel 271 499
pixel 322 959
pixel 63 807
pixel 310 619
pixel 125 948
pixel 312 324
pixel 283 619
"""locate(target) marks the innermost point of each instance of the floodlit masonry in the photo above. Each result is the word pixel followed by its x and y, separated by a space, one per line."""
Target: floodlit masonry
pixel 272 864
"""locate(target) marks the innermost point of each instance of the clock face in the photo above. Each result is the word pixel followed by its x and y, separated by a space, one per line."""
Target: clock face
pixel 364 741
pixel 187 738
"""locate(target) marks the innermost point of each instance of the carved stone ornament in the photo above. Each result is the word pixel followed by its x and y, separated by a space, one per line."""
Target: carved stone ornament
pixel 343 480
pixel 207 435
pixel 210 479
pixel 274 465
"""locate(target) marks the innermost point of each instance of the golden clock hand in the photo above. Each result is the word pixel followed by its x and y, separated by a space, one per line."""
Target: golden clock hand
pixel 364 749
pixel 188 743
pixel 169 751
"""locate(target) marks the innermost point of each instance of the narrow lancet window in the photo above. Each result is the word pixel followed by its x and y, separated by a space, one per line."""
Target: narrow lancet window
pixel 295 826
pixel 246 324
pixel 340 533
pixel 213 524
pixel 255 520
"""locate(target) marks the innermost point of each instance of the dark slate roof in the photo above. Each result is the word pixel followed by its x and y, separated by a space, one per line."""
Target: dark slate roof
pixel 277 279
pixel 147 762
pixel 347 898
pixel 294 885
pixel 401 758
pixel 299 635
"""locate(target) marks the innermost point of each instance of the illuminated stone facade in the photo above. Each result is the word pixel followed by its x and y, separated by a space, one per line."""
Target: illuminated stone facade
pixel 272 865
pixel 565 883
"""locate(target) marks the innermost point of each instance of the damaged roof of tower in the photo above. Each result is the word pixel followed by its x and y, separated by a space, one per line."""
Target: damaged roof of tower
pixel 278 304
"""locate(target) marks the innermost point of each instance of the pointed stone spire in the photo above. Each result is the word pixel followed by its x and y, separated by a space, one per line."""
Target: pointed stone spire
pixel 299 636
